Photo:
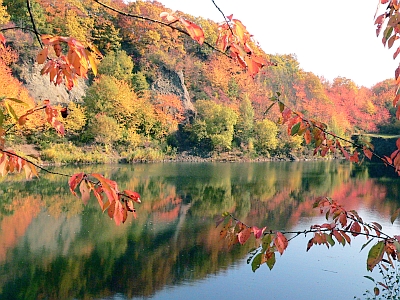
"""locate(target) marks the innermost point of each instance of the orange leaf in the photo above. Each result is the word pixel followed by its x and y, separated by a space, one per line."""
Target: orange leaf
pixel 42 55
pixel 167 17
pixel 74 181
pixel 2 41
pixel 194 30
pixel 111 209
pixel 109 187
pixel 118 213
pixel 398 143
pixel 280 242
pixel 85 192
pixel 244 235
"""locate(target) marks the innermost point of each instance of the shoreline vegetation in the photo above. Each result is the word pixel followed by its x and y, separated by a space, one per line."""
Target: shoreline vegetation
pixel 69 154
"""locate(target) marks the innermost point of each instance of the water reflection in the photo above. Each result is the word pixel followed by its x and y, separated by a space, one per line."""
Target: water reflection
pixel 53 247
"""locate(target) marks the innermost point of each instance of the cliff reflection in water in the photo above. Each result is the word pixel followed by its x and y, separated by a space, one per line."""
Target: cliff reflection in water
pixel 53 247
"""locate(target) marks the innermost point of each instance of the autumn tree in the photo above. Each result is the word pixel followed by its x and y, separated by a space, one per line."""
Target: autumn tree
pixel 214 124
pixel 245 122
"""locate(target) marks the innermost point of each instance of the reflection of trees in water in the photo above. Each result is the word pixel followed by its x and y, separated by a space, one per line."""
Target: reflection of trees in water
pixel 75 252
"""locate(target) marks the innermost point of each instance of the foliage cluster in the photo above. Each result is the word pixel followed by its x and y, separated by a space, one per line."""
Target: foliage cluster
pixel 124 108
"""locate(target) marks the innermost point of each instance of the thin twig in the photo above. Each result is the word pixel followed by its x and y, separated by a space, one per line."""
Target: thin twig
pixel 36 165
pixel 28 4
pixel 225 18
pixel 157 22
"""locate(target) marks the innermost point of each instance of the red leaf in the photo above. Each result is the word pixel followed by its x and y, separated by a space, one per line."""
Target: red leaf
pixel 368 153
pixel 338 237
pixel 398 143
pixel 343 219
pixel 347 238
pixel 395 55
pixel 307 136
pixel 310 244
pixel 118 213
pixel 280 242
pixel 74 181
pixel 244 235
pixel 194 30
pixel 356 228
pixel 133 195
pixel 258 232
pixel 354 157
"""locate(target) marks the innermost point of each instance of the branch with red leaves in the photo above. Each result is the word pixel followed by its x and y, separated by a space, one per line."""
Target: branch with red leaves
pixel 342 226
pixel 118 204
pixel 390 34
pixel 315 131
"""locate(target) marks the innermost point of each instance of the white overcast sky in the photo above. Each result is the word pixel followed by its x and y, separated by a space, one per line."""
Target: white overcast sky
pixel 329 38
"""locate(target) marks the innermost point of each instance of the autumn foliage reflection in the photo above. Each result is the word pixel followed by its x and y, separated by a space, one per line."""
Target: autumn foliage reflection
pixel 174 234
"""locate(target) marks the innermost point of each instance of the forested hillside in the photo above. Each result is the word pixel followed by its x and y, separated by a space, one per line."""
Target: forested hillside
pixel 159 93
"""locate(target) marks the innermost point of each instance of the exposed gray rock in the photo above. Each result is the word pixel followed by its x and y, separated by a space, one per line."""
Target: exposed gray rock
pixel 171 82
pixel 40 87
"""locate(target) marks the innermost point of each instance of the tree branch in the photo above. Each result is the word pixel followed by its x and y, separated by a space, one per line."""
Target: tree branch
pixel 31 162
pixel 157 22
pixel 28 4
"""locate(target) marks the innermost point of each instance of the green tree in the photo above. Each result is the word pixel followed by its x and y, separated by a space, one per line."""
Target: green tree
pixel 215 122
pixel 245 122
pixel 105 130
pixel 139 83
pixel 117 64
pixel 265 136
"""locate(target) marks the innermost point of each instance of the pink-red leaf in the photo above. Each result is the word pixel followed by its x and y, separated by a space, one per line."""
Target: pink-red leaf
pixel 280 242
pixel 132 195
pixel 244 235
pixel 74 181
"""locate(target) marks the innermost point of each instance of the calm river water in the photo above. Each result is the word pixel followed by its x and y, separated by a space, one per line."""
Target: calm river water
pixel 54 247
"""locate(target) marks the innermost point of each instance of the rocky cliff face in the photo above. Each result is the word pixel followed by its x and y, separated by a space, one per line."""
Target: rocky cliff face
pixel 171 82
pixel 40 87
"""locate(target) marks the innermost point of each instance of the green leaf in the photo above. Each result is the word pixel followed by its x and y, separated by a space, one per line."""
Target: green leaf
pixel 330 240
pixel 1 118
pixel 395 215
pixel 271 261
pixel 370 278
pixel 365 245
pixel 295 129
pixel 266 241
pixel 18 101
pixel 255 264
pixel 375 255
pixel 11 111
pixel 269 107
pixel 281 106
